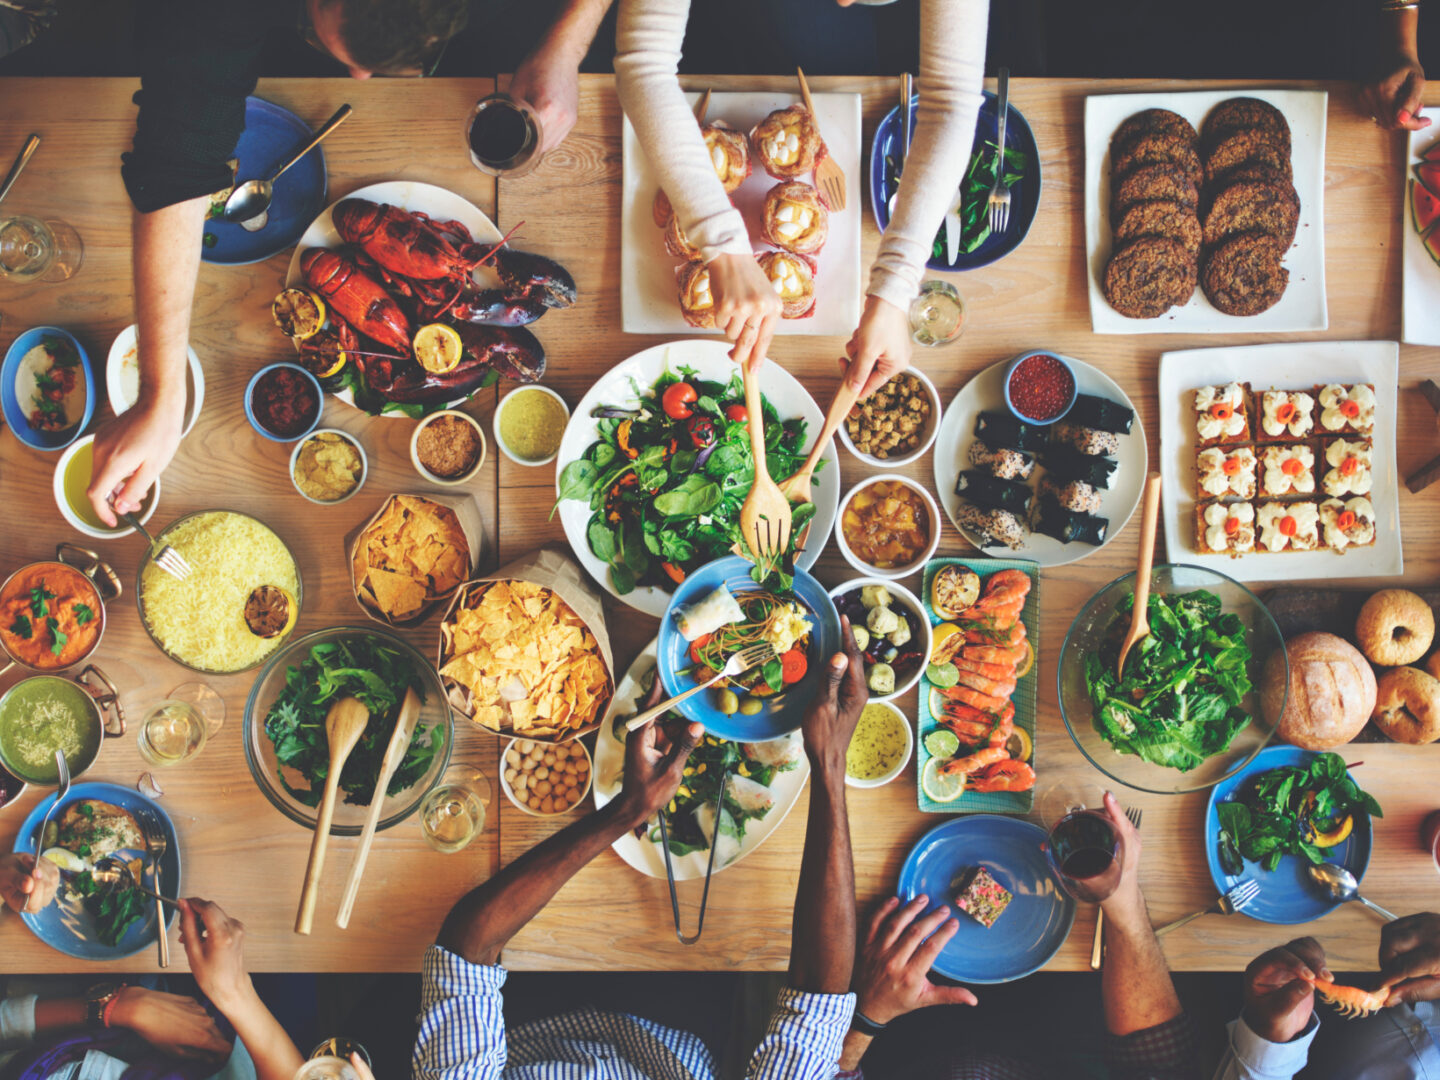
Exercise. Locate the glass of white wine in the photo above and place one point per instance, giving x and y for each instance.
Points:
(172, 733)
(31, 249)
(453, 814)
(937, 315)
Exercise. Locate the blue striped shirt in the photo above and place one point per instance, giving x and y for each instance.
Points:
(463, 1037)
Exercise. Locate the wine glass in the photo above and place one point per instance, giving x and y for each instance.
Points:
(504, 136)
(32, 249)
(1084, 848)
(453, 814)
(937, 314)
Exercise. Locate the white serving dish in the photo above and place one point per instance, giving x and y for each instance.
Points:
(353, 441)
(1420, 276)
(500, 440)
(451, 481)
(524, 808)
(928, 430)
(124, 352)
(73, 519)
(910, 600)
(902, 764)
(936, 527)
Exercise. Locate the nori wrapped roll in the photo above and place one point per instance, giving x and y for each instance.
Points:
(1069, 465)
(1102, 413)
(985, 490)
(1004, 431)
(1069, 527)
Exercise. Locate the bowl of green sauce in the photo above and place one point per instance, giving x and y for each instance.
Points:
(529, 424)
(880, 748)
(41, 715)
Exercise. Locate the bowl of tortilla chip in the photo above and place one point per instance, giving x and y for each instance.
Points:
(517, 660)
(328, 466)
(414, 553)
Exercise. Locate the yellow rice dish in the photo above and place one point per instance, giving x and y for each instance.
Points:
(201, 621)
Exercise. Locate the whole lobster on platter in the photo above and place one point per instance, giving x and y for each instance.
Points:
(356, 297)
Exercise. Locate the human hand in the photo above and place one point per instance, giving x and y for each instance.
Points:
(1410, 958)
(548, 80)
(892, 975)
(132, 449)
(27, 884)
(360, 1067)
(746, 307)
(832, 714)
(1396, 97)
(879, 349)
(1278, 995)
(172, 1023)
(654, 762)
(1127, 899)
(215, 946)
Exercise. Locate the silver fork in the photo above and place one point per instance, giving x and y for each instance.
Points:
(155, 845)
(738, 664)
(1097, 946)
(168, 559)
(1234, 899)
(999, 193)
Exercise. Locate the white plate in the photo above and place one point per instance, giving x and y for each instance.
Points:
(1420, 274)
(440, 204)
(123, 353)
(986, 391)
(711, 361)
(1281, 367)
(1303, 305)
(649, 301)
(610, 763)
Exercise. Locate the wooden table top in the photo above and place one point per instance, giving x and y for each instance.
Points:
(242, 853)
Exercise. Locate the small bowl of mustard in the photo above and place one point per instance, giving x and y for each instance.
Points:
(880, 748)
(530, 423)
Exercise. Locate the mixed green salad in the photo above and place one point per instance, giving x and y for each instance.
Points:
(371, 670)
(1293, 810)
(114, 910)
(667, 477)
(1180, 700)
(974, 194)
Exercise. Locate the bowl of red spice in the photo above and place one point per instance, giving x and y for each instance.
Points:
(448, 447)
(1040, 387)
(282, 402)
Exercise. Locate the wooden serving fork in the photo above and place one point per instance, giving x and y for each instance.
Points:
(829, 177)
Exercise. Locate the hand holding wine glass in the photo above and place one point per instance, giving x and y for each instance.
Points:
(1086, 844)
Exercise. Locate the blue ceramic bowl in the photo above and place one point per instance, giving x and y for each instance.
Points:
(314, 385)
(1074, 387)
(1024, 195)
(16, 415)
(781, 713)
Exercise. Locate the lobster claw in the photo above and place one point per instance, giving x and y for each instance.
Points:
(530, 277)
(492, 307)
(514, 352)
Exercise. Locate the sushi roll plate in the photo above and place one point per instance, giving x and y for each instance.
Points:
(1085, 470)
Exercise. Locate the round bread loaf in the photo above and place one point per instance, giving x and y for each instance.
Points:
(1332, 691)
(1408, 706)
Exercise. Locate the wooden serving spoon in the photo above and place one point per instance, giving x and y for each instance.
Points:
(1140, 618)
(797, 488)
(344, 724)
(765, 515)
(400, 738)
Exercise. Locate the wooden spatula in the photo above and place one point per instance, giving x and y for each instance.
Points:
(1140, 618)
(344, 724)
(394, 754)
(829, 177)
(798, 487)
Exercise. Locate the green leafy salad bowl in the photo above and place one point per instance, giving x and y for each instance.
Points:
(284, 729)
(1186, 715)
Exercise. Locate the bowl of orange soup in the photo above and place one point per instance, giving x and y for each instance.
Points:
(51, 616)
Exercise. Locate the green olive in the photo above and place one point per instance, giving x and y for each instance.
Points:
(750, 706)
(727, 702)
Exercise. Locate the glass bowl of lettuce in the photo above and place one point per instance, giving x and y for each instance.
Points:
(1186, 713)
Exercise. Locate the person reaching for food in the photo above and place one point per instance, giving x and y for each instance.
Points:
(744, 301)
(1397, 93)
(27, 884)
(462, 1024)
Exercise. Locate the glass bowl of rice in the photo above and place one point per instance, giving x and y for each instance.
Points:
(201, 622)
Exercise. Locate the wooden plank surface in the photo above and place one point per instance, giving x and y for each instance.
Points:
(609, 915)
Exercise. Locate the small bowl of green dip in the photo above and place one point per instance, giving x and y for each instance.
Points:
(529, 424)
(880, 748)
(41, 715)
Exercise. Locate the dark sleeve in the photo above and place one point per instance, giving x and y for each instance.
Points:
(195, 75)
(1166, 1051)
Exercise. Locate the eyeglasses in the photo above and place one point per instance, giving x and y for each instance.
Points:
(306, 29)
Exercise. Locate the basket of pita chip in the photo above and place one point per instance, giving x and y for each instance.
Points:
(412, 555)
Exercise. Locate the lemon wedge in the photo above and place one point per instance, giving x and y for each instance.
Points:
(1023, 668)
(65, 859)
(1020, 746)
(299, 314)
(438, 348)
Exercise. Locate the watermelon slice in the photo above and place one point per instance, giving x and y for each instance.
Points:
(1433, 154)
(1424, 207)
(1432, 245)
(1428, 173)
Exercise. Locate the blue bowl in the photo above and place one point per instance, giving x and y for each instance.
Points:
(782, 713)
(319, 400)
(1074, 387)
(15, 413)
(1024, 195)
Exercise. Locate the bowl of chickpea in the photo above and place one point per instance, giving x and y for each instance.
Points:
(544, 779)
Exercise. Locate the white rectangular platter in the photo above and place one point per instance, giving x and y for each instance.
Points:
(1280, 367)
(1420, 274)
(1303, 305)
(649, 300)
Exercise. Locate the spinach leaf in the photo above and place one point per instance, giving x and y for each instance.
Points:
(693, 497)
(602, 541)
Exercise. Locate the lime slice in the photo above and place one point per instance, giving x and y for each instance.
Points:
(942, 675)
(941, 744)
(940, 788)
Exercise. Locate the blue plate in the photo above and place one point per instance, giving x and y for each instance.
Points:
(1024, 195)
(271, 136)
(16, 414)
(1028, 933)
(783, 712)
(67, 926)
(1287, 895)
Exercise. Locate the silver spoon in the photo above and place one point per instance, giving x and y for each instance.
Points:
(112, 872)
(252, 198)
(1342, 886)
(31, 145)
(906, 120)
(63, 769)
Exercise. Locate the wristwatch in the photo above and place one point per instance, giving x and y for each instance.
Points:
(864, 1025)
(98, 1000)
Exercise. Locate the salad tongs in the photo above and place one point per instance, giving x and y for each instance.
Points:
(691, 939)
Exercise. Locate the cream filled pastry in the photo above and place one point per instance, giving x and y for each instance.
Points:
(793, 279)
(1226, 530)
(787, 142)
(729, 153)
(794, 218)
(1286, 414)
(1220, 413)
(1347, 408)
(1348, 523)
(1288, 470)
(1223, 475)
(1349, 468)
(1295, 526)
(697, 302)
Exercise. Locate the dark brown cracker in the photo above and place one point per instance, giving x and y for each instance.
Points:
(1249, 147)
(1160, 217)
(1253, 206)
(1147, 277)
(1152, 120)
(1244, 275)
(1239, 114)
(1158, 149)
(1153, 182)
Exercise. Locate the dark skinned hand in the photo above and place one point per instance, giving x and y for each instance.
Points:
(1410, 958)
(655, 760)
(1278, 998)
(831, 718)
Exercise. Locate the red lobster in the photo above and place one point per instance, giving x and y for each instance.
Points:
(356, 297)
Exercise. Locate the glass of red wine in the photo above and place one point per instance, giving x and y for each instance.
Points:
(503, 135)
(1084, 848)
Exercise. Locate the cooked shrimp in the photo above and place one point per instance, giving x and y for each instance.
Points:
(965, 695)
(974, 726)
(976, 761)
(969, 732)
(1003, 776)
(998, 672)
(1351, 1001)
(995, 654)
(989, 634)
(996, 688)
(1002, 731)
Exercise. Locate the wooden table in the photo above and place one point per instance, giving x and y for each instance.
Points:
(244, 854)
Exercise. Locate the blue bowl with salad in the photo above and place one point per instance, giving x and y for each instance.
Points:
(766, 702)
(978, 246)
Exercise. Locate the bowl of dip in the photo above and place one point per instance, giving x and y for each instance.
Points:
(282, 402)
(889, 526)
(72, 478)
(448, 447)
(529, 424)
(1040, 387)
(880, 748)
(47, 390)
(46, 713)
(122, 378)
(52, 615)
(328, 466)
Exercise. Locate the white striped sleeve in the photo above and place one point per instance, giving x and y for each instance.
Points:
(805, 1036)
(462, 1020)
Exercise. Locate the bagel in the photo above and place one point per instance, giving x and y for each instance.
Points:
(1395, 627)
(1408, 706)
(1433, 664)
(1331, 692)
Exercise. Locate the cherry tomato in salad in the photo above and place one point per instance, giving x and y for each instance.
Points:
(793, 666)
(702, 431)
(737, 413)
(677, 399)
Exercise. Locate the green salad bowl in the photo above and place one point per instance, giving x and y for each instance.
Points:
(1097, 631)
